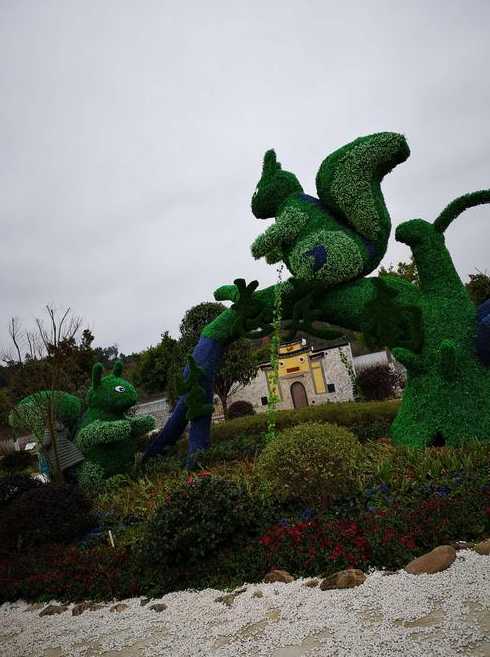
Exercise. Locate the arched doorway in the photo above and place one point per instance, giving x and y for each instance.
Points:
(298, 395)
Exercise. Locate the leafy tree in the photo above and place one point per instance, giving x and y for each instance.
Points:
(193, 322)
(238, 368)
(479, 287)
(406, 270)
(155, 364)
(107, 355)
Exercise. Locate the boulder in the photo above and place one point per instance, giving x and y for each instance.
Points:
(52, 610)
(144, 601)
(121, 606)
(432, 562)
(344, 579)
(278, 576)
(483, 547)
(311, 583)
(229, 598)
(85, 606)
(158, 607)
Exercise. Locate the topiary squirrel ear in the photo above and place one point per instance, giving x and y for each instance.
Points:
(271, 165)
(97, 370)
(118, 368)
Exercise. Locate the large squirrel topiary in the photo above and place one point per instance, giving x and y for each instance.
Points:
(330, 244)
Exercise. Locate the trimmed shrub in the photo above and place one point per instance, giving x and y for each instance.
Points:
(378, 382)
(240, 408)
(12, 486)
(313, 463)
(199, 518)
(367, 420)
(45, 514)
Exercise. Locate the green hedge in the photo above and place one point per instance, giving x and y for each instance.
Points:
(245, 437)
(367, 420)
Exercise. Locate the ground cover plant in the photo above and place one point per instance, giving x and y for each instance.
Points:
(232, 520)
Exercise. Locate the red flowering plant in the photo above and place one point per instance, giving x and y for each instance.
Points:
(68, 573)
(382, 529)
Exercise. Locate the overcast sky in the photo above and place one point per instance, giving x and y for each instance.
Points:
(132, 134)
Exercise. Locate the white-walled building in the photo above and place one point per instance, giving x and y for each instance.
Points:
(307, 376)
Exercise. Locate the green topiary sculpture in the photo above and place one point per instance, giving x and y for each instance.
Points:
(107, 436)
(329, 245)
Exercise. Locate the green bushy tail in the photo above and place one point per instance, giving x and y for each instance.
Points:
(349, 183)
(459, 205)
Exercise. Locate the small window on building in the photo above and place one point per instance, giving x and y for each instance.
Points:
(264, 401)
(331, 387)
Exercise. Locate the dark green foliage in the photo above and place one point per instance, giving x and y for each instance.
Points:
(478, 287)
(17, 461)
(378, 382)
(198, 519)
(240, 408)
(45, 514)
(156, 363)
(12, 486)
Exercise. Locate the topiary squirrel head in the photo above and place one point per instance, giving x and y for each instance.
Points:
(111, 393)
(273, 188)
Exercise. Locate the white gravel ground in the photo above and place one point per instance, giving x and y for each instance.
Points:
(400, 615)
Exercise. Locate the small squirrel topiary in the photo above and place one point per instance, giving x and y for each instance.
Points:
(107, 435)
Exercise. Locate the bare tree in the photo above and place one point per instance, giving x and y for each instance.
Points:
(45, 344)
(15, 332)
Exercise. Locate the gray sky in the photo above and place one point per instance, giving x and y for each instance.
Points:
(132, 134)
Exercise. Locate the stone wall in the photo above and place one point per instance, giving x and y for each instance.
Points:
(334, 372)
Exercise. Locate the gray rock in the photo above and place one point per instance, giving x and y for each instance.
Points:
(229, 598)
(53, 610)
(121, 606)
(85, 606)
(158, 607)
